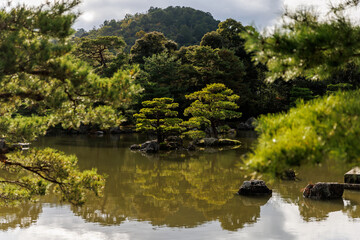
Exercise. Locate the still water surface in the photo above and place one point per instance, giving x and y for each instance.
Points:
(181, 196)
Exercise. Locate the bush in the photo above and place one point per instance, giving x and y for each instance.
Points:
(327, 127)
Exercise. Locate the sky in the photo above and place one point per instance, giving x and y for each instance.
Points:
(260, 13)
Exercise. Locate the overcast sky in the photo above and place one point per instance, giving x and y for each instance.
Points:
(261, 13)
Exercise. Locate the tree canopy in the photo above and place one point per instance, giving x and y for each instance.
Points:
(38, 74)
(100, 52)
(212, 104)
(159, 118)
(184, 25)
(323, 128)
(307, 45)
(150, 44)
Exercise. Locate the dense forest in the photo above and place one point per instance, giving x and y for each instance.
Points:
(170, 67)
(210, 77)
(184, 25)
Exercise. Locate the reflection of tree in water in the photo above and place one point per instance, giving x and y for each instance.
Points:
(186, 193)
(21, 216)
(315, 210)
(97, 211)
(239, 211)
(352, 204)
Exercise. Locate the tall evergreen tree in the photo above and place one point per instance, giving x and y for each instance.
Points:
(38, 73)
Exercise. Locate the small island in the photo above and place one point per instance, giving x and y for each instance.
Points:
(212, 105)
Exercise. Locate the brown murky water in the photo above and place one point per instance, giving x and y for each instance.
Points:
(181, 196)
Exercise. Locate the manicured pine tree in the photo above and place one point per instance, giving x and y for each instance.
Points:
(211, 105)
(158, 117)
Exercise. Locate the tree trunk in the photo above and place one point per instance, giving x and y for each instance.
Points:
(160, 136)
(214, 130)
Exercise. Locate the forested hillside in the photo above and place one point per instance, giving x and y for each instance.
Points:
(184, 25)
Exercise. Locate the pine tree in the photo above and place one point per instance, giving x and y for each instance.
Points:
(212, 104)
(158, 117)
(39, 75)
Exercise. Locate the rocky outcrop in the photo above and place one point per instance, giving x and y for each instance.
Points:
(249, 124)
(147, 147)
(214, 142)
(135, 147)
(228, 142)
(324, 191)
(207, 142)
(172, 143)
(254, 187)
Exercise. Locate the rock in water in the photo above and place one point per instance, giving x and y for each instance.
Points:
(352, 176)
(228, 142)
(207, 142)
(135, 147)
(254, 187)
(324, 191)
(150, 147)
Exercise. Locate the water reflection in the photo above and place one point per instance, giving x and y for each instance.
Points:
(20, 216)
(198, 189)
(181, 189)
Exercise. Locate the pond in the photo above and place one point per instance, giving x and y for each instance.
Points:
(181, 196)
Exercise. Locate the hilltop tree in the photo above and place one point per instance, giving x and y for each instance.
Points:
(183, 25)
(38, 74)
(212, 104)
(151, 43)
(158, 117)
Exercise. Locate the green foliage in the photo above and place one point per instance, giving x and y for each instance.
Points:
(30, 173)
(150, 44)
(102, 53)
(297, 93)
(305, 45)
(184, 25)
(212, 39)
(212, 104)
(158, 117)
(331, 88)
(202, 65)
(323, 128)
(159, 77)
(39, 76)
(251, 87)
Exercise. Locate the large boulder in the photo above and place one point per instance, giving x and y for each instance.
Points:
(324, 191)
(150, 147)
(135, 147)
(249, 124)
(254, 187)
(147, 147)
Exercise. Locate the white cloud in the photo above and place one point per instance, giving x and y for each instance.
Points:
(262, 13)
